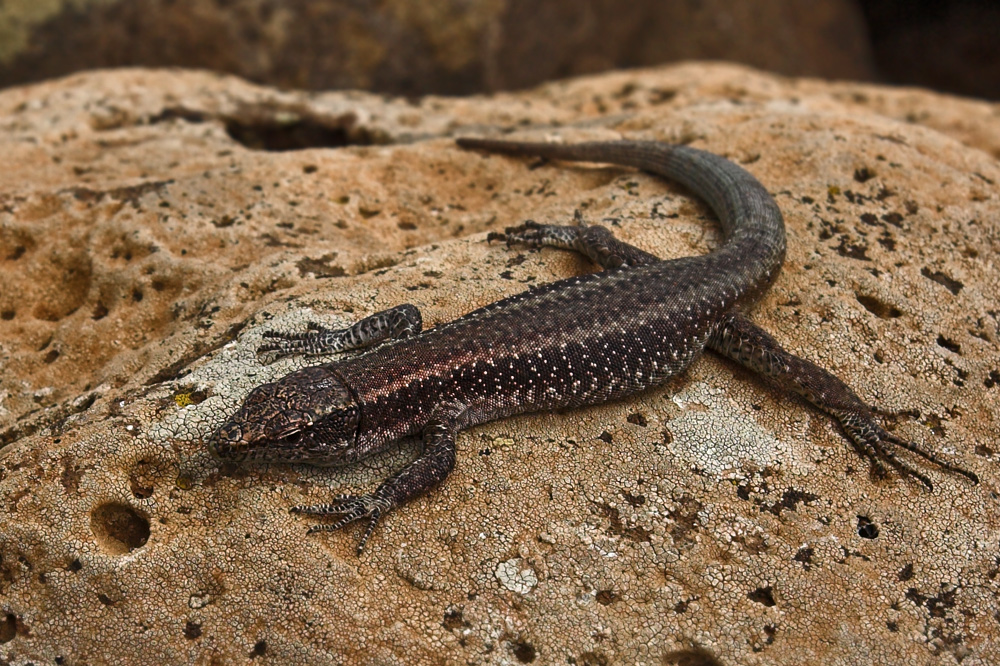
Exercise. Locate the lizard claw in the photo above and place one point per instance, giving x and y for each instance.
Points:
(353, 507)
(876, 444)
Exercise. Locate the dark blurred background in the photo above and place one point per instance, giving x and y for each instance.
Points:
(412, 47)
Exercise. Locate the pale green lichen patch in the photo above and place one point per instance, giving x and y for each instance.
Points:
(515, 577)
(735, 439)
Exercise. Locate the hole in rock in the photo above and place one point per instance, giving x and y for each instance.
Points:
(762, 595)
(524, 652)
(300, 134)
(878, 308)
(950, 345)
(8, 628)
(866, 528)
(952, 285)
(118, 528)
(693, 657)
(192, 630)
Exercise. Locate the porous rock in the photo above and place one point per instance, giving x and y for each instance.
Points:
(148, 238)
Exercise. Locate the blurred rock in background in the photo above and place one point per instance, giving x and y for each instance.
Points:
(412, 48)
(464, 46)
(948, 45)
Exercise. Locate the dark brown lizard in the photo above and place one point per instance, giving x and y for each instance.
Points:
(574, 342)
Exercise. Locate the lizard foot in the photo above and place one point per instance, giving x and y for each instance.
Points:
(353, 507)
(876, 444)
(313, 341)
(397, 322)
(533, 234)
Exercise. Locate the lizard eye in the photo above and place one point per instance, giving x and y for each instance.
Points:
(290, 426)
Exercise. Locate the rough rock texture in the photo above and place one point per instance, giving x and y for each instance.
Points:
(147, 239)
(444, 47)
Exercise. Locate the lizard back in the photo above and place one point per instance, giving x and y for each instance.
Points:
(585, 339)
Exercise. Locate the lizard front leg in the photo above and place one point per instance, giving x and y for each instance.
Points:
(398, 322)
(431, 467)
(594, 242)
(741, 340)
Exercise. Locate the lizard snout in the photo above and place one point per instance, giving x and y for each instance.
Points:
(223, 443)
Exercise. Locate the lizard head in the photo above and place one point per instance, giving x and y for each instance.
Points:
(307, 416)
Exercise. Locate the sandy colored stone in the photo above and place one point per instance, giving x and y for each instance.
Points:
(711, 514)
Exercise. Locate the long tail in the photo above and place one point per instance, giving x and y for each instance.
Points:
(750, 218)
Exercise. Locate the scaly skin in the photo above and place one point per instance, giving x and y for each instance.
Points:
(574, 342)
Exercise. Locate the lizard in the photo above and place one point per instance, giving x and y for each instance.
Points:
(564, 344)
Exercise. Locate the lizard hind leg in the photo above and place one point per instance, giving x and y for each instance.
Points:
(736, 337)
(595, 242)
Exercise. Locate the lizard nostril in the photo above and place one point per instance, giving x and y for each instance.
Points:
(221, 443)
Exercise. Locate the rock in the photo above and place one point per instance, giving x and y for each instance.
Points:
(413, 48)
(148, 238)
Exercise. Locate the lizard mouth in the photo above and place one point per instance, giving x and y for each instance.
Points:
(225, 443)
(219, 450)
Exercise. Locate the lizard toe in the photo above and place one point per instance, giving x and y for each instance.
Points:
(353, 508)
